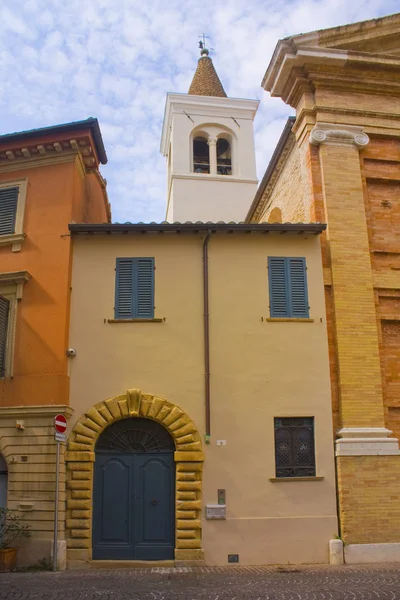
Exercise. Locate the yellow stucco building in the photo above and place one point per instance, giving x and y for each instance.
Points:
(338, 161)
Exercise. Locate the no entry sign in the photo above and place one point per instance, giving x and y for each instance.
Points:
(60, 423)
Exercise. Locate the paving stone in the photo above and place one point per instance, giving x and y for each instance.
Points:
(363, 582)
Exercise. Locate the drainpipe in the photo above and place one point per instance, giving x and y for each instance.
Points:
(206, 338)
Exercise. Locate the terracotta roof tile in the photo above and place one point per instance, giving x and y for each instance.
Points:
(206, 81)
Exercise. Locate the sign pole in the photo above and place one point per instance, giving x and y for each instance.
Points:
(60, 426)
(56, 507)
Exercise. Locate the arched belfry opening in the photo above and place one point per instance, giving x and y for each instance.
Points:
(3, 481)
(201, 155)
(134, 492)
(224, 156)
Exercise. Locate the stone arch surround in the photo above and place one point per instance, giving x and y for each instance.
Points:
(80, 458)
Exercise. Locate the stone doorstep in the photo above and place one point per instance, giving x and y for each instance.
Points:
(156, 566)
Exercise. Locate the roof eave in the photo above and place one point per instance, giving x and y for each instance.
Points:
(91, 123)
(125, 228)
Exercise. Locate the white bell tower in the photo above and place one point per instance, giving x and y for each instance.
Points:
(208, 140)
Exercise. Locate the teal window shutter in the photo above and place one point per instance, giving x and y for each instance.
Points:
(134, 288)
(297, 276)
(288, 293)
(278, 296)
(4, 312)
(8, 209)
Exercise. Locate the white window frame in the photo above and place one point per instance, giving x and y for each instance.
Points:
(15, 239)
(11, 287)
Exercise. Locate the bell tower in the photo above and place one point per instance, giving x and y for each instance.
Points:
(208, 141)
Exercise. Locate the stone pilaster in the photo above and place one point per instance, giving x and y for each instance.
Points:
(352, 281)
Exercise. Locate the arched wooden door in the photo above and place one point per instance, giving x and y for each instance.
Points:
(3, 481)
(134, 492)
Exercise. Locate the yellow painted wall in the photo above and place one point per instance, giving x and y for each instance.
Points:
(259, 370)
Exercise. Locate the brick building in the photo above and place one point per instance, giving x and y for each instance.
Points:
(338, 162)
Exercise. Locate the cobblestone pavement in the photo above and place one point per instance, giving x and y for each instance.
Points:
(218, 583)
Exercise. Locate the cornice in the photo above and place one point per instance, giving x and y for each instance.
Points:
(338, 135)
(18, 278)
(207, 177)
(294, 70)
(29, 153)
(35, 411)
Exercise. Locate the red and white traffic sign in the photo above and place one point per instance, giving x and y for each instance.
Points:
(60, 423)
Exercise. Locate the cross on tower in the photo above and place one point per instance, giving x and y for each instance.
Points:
(202, 42)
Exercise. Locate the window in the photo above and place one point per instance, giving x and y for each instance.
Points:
(11, 288)
(3, 481)
(4, 313)
(288, 287)
(201, 155)
(294, 447)
(134, 288)
(12, 208)
(224, 158)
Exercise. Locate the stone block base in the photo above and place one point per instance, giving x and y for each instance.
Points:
(61, 554)
(371, 553)
(336, 552)
(195, 555)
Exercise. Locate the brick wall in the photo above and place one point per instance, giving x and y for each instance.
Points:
(381, 174)
(293, 183)
(369, 488)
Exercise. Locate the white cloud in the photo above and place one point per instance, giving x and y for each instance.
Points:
(65, 60)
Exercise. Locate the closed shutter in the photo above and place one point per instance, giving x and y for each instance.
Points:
(278, 296)
(297, 277)
(134, 289)
(144, 305)
(4, 311)
(124, 289)
(288, 287)
(8, 209)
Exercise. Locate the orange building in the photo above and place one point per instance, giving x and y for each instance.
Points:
(338, 162)
(48, 178)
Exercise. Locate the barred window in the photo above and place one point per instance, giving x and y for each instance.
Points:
(294, 447)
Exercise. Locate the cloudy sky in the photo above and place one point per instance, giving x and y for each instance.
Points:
(66, 60)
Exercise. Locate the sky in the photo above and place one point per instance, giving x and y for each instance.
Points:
(67, 60)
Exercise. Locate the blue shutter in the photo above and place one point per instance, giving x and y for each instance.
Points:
(4, 310)
(144, 297)
(297, 278)
(8, 209)
(134, 288)
(278, 297)
(124, 280)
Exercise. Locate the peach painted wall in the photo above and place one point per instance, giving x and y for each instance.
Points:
(56, 195)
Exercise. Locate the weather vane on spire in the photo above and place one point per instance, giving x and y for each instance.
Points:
(204, 51)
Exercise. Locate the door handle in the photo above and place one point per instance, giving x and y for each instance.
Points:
(154, 502)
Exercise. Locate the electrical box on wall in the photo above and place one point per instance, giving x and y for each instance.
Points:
(216, 511)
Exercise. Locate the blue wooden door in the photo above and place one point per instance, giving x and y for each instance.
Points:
(134, 492)
(154, 529)
(112, 507)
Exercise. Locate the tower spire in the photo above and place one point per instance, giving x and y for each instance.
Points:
(205, 80)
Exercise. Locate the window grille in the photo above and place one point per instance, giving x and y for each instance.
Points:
(294, 447)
